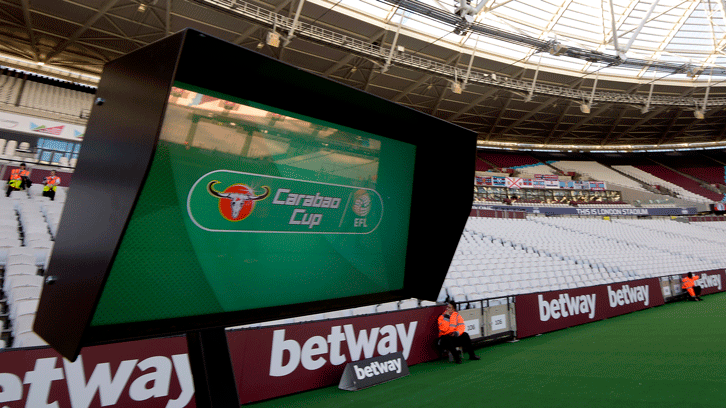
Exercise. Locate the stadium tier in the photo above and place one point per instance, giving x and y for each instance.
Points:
(44, 95)
(481, 165)
(508, 160)
(682, 181)
(597, 171)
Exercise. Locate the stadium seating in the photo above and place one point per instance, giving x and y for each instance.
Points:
(682, 181)
(508, 160)
(597, 171)
(511, 256)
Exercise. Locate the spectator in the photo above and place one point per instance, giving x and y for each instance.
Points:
(452, 334)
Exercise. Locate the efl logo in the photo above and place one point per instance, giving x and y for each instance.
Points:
(237, 201)
(361, 203)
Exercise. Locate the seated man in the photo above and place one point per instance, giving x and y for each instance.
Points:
(689, 284)
(19, 179)
(452, 334)
(51, 185)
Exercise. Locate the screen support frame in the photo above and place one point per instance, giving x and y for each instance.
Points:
(211, 364)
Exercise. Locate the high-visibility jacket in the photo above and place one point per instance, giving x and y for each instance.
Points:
(454, 323)
(689, 282)
(52, 181)
(17, 174)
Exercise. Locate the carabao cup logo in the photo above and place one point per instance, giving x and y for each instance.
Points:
(237, 201)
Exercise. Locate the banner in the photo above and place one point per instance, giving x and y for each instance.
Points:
(551, 184)
(140, 374)
(269, 362)
(594, 211)
(41, 127)
(545, 312)
(513, 182)
(275, 361)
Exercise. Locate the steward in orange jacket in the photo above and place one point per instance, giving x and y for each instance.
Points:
(689, 284)
(19, 178)
(452, 334)
(51, 185)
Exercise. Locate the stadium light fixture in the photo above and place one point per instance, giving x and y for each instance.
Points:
(456, 87)
(273, 39)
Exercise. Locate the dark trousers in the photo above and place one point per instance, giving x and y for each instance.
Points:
(10, 190)
(49, 193)
(451, 343)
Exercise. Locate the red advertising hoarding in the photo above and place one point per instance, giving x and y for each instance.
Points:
(548, 311)
(286, 359)
(710, 281)
(150, 374)
(274, 361)
(269, 362)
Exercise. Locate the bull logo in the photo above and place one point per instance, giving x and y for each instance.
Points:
(237, 201)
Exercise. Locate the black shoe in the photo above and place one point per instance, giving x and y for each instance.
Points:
(457, 357)
(474, 357)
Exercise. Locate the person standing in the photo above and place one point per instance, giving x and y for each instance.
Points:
(452, 334)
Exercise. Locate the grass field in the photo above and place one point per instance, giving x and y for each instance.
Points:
(669, 356)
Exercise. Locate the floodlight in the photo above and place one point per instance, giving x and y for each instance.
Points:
(273, 39)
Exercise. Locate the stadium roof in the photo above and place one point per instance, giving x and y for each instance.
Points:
(522, 74)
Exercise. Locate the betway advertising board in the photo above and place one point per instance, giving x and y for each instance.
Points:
(268, 362)
(712, 281)
(548, 311)
(150, 374)
(288, 359)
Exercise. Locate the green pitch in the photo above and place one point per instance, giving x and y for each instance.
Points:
(669, 356)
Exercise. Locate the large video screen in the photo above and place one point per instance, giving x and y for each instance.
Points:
(244, 202)
(211, 194)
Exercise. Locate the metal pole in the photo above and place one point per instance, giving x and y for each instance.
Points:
(640, 26)
(534, 80)
(393, 45)
(471, 62)
(291, 33)
(612, 23)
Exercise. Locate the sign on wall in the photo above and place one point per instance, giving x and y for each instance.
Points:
(41, 127)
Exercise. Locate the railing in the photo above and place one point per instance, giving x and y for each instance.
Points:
(363, 48)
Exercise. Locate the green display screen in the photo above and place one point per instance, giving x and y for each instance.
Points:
(246, 206)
